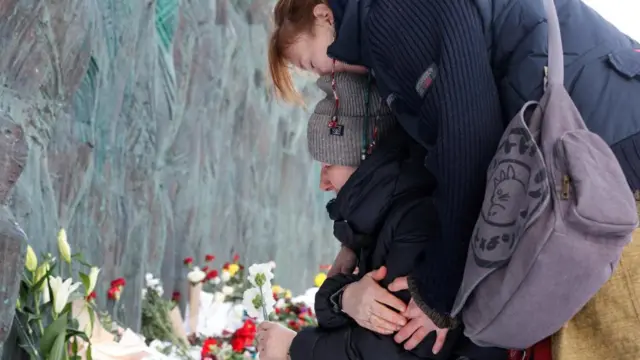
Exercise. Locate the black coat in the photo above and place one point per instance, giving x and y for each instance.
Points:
(382, 215)
(456, 71)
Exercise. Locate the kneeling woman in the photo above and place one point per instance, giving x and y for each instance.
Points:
(381, 213)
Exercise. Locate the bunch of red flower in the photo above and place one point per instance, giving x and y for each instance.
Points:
(244, 336)
(116, 288)
(208, 348)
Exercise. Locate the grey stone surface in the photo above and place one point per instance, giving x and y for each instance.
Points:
(152, 136)
(13, 241)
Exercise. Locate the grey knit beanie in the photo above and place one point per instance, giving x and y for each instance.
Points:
(346, 149)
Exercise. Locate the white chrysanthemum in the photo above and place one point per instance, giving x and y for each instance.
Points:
(216, 280)
(254, 302)
(225, 276)
(196, 275)
(219, 297)
(227, 290)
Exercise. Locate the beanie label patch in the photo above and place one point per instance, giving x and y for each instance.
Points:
(337, 130)
(426, 80)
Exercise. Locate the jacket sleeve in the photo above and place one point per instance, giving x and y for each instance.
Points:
(352, 342)
(328, 316)
(430, 57)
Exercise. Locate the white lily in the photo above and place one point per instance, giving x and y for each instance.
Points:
(63, 246)
(93, 279)
(227, 290)
(61, 292)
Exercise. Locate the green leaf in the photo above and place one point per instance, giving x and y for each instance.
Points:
(37, 286)
(92, 317)
(58, 351)
(88, 353)
(51, 334)
(85, 281)
(73, 332)
(30, 350)
(79, 258)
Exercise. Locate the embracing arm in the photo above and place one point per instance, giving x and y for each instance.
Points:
(454, 112)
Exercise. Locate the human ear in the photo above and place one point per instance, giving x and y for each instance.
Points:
(323, 13)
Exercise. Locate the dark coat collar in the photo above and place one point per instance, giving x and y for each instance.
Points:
(350, 45)
(363, 204)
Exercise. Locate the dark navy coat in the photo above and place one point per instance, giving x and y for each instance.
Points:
(455, 72)
(602, 68)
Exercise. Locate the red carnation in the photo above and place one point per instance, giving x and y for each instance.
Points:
(237, 343)
(119, 282)
(293, 325)
(175, 296)
(225, 266)
(208, 346)
(209, 258)
(212, 274)
(113, 293)
(92, 296)
(236, 258)
(188, 261)
(205, 269)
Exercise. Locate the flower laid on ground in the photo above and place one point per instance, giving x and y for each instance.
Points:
(294, 314)
(209, 258)
(31, 260)
(43, 310)
(63, 246)
(196, 275)
(61, 291)
(115, 291)
(319, 279)
(187, 261)
(153, 284)
(92, 280)
(156, 323)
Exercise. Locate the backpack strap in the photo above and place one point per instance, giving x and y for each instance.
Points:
(555, 72)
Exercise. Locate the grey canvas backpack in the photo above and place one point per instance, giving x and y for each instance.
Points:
(556, 215)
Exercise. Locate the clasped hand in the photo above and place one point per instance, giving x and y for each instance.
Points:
(371, 306)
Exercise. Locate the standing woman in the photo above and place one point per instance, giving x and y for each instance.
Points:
(429, 61)
(455, 72)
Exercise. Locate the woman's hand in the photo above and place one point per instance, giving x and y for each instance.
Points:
(365, 301)
(344, 263)
(419, 325)
(274, 341)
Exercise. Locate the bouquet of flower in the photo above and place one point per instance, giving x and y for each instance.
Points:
(156, 320)
(293, 314)
(47, 328)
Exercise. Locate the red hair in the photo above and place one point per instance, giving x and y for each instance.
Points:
(291, 18)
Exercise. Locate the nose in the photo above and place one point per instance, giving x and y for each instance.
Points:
(325, 184)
